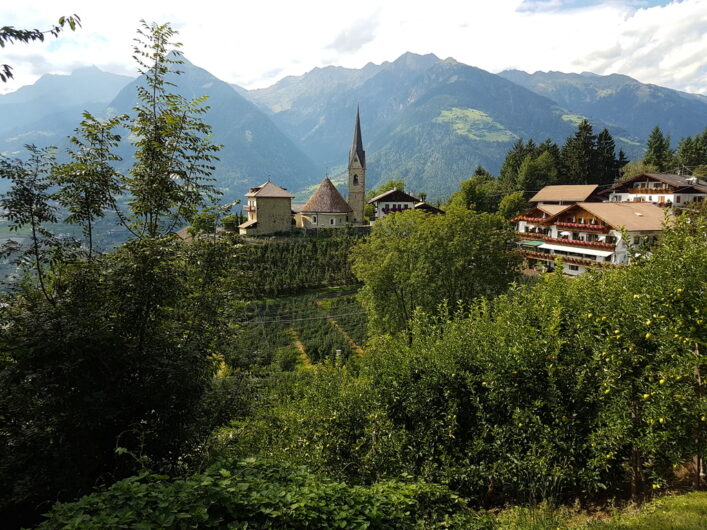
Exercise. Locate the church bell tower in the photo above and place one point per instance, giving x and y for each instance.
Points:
(357, 174)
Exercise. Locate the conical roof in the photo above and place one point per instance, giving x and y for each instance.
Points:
(326, 199)
(357, 144)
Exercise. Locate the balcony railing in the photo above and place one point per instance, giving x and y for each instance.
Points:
(652, 191)
(534, 220)
(249, 208)
(584, 226)
(574, 242)
(566, 259)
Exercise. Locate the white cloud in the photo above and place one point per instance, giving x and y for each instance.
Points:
(256, 43)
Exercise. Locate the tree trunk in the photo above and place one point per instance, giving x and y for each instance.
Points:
(636, 478)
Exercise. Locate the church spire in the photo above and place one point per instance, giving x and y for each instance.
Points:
(357, 144)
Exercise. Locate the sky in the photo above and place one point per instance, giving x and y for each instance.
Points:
(255, 43)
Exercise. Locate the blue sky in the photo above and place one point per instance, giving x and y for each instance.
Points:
(255, 43)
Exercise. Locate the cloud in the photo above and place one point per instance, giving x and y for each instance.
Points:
(356, 36)
(245, 43)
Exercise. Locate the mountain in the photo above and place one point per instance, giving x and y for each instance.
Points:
(56, 95)
(620, 100)
(425, 120)
(254, 149)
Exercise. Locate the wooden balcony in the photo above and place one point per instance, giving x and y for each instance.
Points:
(567, 259)
(584, 226)
(563, 241)
(534, 220)
(651, 191)
(249, 208)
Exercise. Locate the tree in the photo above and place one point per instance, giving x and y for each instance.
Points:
(481, 193)
(115, 350)
(579, 156)
(537, 172)
(170, 177)
(10, 34)
(27, 204)
(89, 184)
(658, 151)
(633, 169)
(607, 164)
(415, 260)
(511, 165)
(692, 152)
(512, 204)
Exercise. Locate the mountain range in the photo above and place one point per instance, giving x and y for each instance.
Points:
(425, 120)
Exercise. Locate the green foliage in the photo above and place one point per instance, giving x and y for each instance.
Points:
(173, 158)
(568, 388)
(579, 156)
(415, 260)
(10, 34)
(481, 193)
(658, 152)
(633, 169)
(259, 494)
(692, 152)
(512, 205)
(536, 172)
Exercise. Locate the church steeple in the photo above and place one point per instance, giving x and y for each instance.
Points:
(357, 144)
(357, 173)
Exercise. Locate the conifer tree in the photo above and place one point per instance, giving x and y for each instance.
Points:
(579, 156)
(658, 151)
(606, 163)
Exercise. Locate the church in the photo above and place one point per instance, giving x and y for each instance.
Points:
(270, 207)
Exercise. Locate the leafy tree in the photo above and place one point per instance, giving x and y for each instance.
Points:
(658, 151)
(415, 260)
(117, 350)
(512, 204)
(89, 185)
(631, 169)
(579, 156)
(27, 204)
(170, 177)
(10, 34)
(537, 172)
(481, 193)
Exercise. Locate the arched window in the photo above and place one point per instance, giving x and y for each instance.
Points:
(355, 180)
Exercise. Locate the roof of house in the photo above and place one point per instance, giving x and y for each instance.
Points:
(326, 199)
(569, 193)
(551, 209)
(678, 181)
(427, 208)
(632, 216)
(394, 195)
(268, 189)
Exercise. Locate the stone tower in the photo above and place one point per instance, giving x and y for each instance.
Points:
(357, 174)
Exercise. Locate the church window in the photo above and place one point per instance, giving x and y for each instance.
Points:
(355, 180)
(314, 219)
(331, 221)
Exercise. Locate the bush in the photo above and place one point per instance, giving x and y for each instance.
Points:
(258, 494)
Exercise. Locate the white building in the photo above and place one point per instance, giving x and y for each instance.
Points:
(660, 188)
(586, 234)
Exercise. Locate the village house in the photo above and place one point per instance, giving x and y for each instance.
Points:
(587, 234)
(660, 188)
(269, 210)
(396, 200)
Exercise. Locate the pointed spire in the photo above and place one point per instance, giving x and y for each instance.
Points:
(357, 145)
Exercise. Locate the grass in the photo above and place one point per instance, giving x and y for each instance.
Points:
(676, 512)
(475, 124)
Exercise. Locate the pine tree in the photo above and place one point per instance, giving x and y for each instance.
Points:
(579, 156)
(606, 163)
(658, 151)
